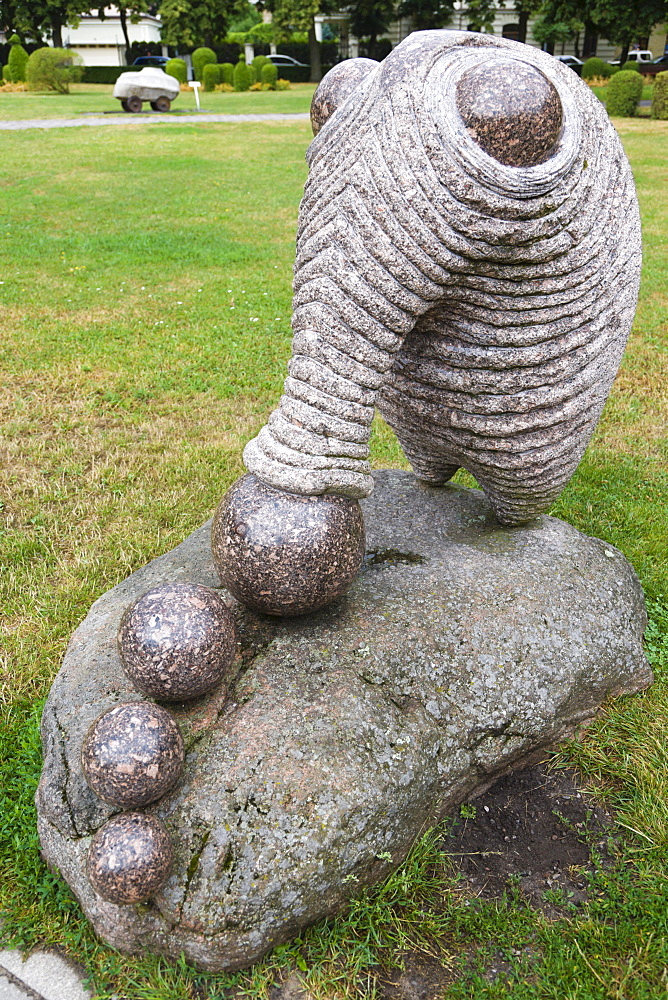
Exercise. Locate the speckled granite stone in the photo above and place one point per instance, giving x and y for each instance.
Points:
(133, 754)
(482, 302)
(461, 651)
(177, 641)
(337, 85)
(129, 858)
(284, 554)
(511, 110)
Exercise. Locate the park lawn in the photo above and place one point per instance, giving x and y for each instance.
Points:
(144, 322)
(96, 98)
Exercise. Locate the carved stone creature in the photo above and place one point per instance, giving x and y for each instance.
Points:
(468, 260)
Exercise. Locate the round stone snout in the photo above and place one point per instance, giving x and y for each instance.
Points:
(511, 110)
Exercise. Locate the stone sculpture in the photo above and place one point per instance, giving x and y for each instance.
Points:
(129, 858)
(148, 84)
(468, 259)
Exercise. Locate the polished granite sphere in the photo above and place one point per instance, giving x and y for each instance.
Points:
(129, 858)
(177, 641)
(133, 754)
(511, 110)
(285, 554)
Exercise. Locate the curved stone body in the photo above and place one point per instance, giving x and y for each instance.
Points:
(482, 305)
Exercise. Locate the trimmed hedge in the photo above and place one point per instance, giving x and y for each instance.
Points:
(269, 75)
(624, 92)
(258, 63)
(105, 74)
(242, 77)
(17, 62)
(631, 64)
(596, 67)
(227, 75)
(5, 74)
(178, 69)
(660, 97)
(296, 74)
(202, 57)
(212, 76)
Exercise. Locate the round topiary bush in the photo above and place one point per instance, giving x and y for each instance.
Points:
(5, 74)
(660, 97)
(212, 76)
(624, 92)
(201, 58)
(596, 67)
(227, 75)
(242, 78)
(53, 69)
(178, 69)
(18, 60)
(258, 63)
(631, 64)
(269, 75)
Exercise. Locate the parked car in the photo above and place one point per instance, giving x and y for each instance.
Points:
(659, 65)
(637, 55)
(279, 60)
(572, 62)
(160, 61)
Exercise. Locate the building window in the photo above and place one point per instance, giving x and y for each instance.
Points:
(511, 31)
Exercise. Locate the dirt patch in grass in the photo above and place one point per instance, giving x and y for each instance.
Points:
(534, 829)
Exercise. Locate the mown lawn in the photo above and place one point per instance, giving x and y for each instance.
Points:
(88, 99)
(144, 320)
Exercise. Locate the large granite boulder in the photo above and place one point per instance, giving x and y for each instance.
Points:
(462, 650)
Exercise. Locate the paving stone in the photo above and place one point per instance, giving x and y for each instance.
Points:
(42, 976)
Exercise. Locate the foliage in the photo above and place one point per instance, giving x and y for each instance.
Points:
(38, 18)
(212, 76)
(53, 69)
(105, 74)
(202, 57)
(621, 21)
(631, 64)
(6, 74)
(269, 75)
(596, 67)
(178, 69)
(282, 84)
(624, 92)
(195, 22)
(242, 77)
(481, 14)
(18, 60)
(227, 73)
(255, 87)
(427, 14)
(369, 20)
(660, 97)
(258, 63)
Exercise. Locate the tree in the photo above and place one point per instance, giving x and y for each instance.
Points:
(197, 22)
(298, 15)
(427, 14)
(47, 17)
(626, 21)
(370, 19)
(481, 14)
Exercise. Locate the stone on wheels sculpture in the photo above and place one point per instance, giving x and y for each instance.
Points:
(468, 260)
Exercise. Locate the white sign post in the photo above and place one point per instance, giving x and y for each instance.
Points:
(195, 84)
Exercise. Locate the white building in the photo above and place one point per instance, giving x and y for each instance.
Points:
(100, 42)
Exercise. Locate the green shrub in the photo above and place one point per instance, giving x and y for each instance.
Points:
(5, 74)
(596, 67)
(53, 69)
(227, 75)
(105, 74)
(201, 58)
(18, 60)
(242, 78)
(282, 84)
(212, 76)
(178, 69)
(660, 97)
(269, 75)
(258, 63)
(631, 64)
(624, 92)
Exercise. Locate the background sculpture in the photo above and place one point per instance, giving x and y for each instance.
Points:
(468, 259)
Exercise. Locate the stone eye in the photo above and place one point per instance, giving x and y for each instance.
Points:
(511, 110)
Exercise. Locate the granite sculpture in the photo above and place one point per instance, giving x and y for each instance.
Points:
(129, 858)
(468, 260)
(148, 84)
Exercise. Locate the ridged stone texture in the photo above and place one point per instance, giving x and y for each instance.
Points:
(285, 554)
(129, 858)
(336, 87)
(475, 277)
(177, 641)
(133, 754)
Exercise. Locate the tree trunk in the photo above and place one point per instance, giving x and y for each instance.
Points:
(523, 22)
(314, 56)
(624, 54)
(576, 45)
(57, 32)
(124, 28)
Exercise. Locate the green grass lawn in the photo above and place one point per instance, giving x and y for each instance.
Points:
(145, 326)
(86, 99)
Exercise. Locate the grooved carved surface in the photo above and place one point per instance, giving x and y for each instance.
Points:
(482, 306)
